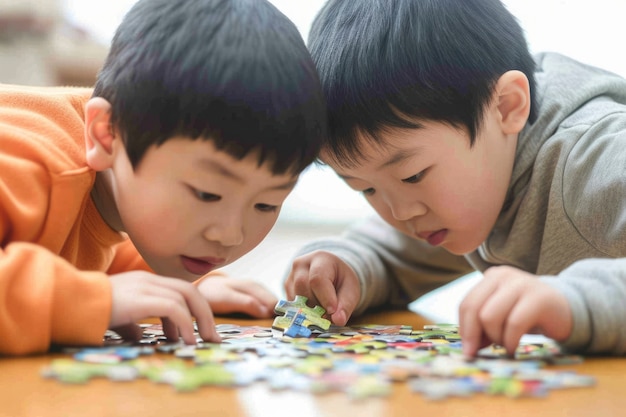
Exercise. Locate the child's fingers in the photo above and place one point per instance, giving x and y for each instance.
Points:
(175, 313)
(323, 277)
(199, 308)
(495, 313)
(165, 303)
(180, 323)
(470, 325)
(320, 276)
(174, 300)
(348, 296)
(297, 282)
(129, 332)
(521, 319)
(324, 293)
(541, 309)
(346, 307)
(170, 329)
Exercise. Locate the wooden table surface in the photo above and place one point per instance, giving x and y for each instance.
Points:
(24, 392)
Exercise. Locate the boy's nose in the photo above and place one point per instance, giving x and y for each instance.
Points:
(403, 210)
(226, 231)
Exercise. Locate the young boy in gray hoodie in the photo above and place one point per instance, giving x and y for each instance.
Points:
(477, 156)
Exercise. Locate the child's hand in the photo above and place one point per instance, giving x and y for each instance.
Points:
(139, 295)
(229, 295)
(508, 303)
(326, 281)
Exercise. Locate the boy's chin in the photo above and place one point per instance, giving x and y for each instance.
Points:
(176, 272)
(460, 250)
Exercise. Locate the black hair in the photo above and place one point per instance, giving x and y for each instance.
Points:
(393, 63)
(236, 72)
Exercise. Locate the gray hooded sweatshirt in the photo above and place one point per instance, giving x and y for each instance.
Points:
(564, 217)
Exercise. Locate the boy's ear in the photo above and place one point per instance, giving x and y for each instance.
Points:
(99, 135)
(513, 101)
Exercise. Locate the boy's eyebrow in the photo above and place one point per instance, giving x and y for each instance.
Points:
(396, 157)
(399, 156)
(216, 166)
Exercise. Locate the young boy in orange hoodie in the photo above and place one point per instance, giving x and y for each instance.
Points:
(116, 204)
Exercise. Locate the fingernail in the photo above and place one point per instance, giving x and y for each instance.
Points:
(340, 317)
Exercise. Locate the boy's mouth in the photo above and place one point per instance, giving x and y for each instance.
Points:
(200, 266)
(435, 238)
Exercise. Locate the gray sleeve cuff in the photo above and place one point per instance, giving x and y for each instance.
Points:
(578, 340)
(595, 289)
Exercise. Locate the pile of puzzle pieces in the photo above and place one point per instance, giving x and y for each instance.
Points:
(302, 351)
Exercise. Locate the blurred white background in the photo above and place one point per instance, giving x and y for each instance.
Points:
(321, 204)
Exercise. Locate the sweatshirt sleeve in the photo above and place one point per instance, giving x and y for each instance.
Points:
(393, 268)
(594, 204)
(596, 291)
(47, 300)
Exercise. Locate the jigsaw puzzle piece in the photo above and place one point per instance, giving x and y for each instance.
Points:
(296, 324)
(298, 303)
(314, 316)
(71, 371)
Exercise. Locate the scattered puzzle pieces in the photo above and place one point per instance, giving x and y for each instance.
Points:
(302, 351)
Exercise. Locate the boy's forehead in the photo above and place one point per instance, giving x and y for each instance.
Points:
(344, 164)
(386, 149)
(204, 157)
(390, 145)
(351, 151)
(238, 169)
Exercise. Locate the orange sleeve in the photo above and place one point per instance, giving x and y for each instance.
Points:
(47, 300)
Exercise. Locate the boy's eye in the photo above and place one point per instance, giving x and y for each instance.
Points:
(368, 191)
(415, 178)
(266, 208)
(206, 197)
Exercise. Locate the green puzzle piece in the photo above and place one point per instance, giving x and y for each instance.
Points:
(313, 315)
(299, 303)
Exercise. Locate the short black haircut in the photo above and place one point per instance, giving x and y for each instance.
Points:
(236, 72)
(393, 63)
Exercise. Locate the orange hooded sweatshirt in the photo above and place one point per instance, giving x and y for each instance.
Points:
(56, 251)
